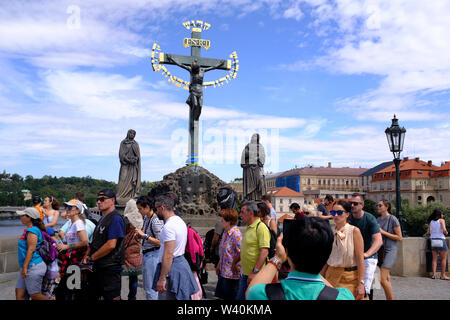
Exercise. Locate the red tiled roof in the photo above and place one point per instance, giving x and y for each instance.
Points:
(413, 168)
(284, 192)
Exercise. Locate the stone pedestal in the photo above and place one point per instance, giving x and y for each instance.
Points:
(196, 189)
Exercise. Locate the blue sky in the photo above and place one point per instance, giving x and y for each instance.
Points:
(320, 81)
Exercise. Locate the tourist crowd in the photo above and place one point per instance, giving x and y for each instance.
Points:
(304, 258)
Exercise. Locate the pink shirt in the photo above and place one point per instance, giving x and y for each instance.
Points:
(229, 248)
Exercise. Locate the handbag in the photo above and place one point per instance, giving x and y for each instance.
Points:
(382, 250)
(437, 243)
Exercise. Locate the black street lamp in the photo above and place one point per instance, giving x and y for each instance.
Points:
(396, 137)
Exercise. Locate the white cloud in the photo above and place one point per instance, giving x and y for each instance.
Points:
(405, 42)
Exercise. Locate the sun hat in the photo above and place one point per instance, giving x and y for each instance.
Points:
(31, 212)
(75, 203)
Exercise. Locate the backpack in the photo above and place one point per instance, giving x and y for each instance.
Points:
(47, 250)
(273, 240)
(194, 249)
(207, 247)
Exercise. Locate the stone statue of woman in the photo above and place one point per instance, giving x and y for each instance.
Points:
(252, 163)
(130, 169)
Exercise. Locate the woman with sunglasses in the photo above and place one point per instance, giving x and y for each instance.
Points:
(345, 266)
(392, 234)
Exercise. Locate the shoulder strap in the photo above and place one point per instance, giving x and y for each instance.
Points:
(274, 291)
(328, 293)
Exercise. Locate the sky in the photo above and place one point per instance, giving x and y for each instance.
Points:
(319, 80)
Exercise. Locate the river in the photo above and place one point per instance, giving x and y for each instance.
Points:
(13, 227)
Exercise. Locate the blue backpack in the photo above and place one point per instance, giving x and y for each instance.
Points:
(47, 250)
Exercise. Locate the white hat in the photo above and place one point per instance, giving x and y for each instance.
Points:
(31, 212)
(75, 203)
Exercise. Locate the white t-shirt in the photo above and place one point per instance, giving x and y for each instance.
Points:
(174, 229)
(71, 236)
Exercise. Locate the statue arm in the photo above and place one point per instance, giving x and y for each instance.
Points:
(169, 57)
(214, 67)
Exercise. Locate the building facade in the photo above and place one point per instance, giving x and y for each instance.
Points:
(283, 197)
(318, 178)
(420, 182)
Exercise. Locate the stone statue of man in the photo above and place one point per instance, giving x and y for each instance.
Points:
(252, 163)
(130, 169)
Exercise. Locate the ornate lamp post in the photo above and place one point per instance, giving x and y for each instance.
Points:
(396, 137)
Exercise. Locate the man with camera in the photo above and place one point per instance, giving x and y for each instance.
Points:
(306, 245)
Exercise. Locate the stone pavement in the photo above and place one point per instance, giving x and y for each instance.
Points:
(405, 288)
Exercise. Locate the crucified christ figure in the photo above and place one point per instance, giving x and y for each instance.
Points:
(195, 99)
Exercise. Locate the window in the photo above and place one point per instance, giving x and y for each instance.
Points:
(381, 186)
(281, 201)
(382, 197)
(281, 209)
(309, 181)
(375, 198)
(390, 196)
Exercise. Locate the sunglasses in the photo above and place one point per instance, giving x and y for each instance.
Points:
(355, 203)
(102, 199)
(379, 205)
(338, 212)
(68, 208)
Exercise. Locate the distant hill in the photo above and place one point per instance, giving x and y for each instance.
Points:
(13, 187)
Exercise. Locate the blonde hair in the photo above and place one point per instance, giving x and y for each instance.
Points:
(310, 209)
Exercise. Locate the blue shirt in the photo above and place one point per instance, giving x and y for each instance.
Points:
(299, 286)
(23, 247)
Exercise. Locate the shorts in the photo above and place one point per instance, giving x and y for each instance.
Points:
(444, 247)
(226, 288)
(32, 284)
(108, 283)
(370, 267)
(339, 278)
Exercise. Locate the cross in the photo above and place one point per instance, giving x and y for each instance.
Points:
(195, 100)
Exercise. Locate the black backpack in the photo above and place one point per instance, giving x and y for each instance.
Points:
(207, 247)
(273, 240)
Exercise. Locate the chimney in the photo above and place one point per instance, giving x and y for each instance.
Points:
(329, 164)
(430, 162)
(405, 159)
(417, 159)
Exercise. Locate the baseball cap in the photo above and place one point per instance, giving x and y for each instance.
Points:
(31, 212)
(75, 203)
(108, 193)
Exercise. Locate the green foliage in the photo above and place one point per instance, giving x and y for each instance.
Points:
(370, 206)
(63, 188)
(417, 217)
